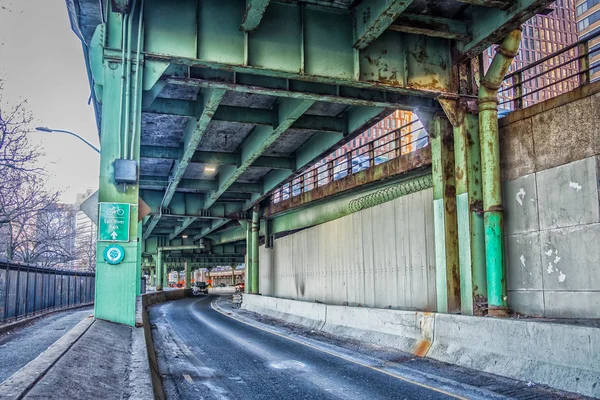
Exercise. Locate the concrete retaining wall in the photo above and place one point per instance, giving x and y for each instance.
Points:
(551, 167)
(379, 257)
(562, 356)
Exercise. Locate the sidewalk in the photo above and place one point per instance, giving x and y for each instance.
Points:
(95, 360)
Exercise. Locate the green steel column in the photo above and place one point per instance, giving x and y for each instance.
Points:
(188, 273)
(254, 253)
(153, 276)
(491, 178)
(469, 210)
(139, 272)
(444, 209)
(159, 271)
(248, 272)
(117, 285)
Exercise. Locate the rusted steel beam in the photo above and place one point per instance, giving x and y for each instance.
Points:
(430, 26)
(372, 17)
(503, 4)
(255, 9)
(414, 161)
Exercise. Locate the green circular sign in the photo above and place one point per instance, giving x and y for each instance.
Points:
(114, 254)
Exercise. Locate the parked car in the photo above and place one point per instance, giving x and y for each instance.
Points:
(240, 286)
(200, 287)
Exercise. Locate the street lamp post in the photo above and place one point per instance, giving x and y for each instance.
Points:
(45, 129)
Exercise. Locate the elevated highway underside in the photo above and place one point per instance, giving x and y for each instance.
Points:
(216, 103)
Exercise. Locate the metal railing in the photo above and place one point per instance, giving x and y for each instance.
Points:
(378, 150)
(550, 76)
(27, 290)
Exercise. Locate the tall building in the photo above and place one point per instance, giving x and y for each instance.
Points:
(85, 239)
(588, 24)
(543, 35)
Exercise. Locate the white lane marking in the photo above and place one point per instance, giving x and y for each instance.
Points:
(188, 378)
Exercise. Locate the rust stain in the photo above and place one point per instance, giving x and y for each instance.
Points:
(422, 348)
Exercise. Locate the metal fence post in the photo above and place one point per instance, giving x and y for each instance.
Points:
(518, 90)
(7, 286)
(17, 302)
(583, 63)
(371, 153)
(34, 292)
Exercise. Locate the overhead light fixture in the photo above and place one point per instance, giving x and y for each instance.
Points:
(209, 168)
(184, 236)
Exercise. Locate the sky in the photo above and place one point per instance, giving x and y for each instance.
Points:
(41, 61)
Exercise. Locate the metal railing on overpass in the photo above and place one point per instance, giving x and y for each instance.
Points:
(378, 150)
(572, 66)
(27, 290)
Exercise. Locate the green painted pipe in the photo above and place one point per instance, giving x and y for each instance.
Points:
(248, 274)
(490, 168)
(159, 271)
(255, 243)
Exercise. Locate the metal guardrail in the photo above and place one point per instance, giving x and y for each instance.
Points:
(390, 145)
(27, 290)
(570, 67)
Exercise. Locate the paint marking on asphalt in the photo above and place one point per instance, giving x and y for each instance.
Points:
(393, 375)
(188, 378)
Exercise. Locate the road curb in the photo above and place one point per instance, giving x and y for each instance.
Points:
(19, 384)
(561, 356)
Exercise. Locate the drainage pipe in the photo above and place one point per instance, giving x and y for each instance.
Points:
(125, 20)
(254, 253)
(136, 125)
(128, 80)
(491, 179)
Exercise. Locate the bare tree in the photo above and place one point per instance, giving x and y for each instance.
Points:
(48, 237)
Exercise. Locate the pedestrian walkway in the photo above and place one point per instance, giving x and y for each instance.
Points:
(95, 360)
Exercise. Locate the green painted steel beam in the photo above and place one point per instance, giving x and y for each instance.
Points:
(179, 229)
(372, 17)
(330, 93)
(427, 25)
(255, 231)
(444, 213)
(244, 115)
(257, 142)
(490, 25)
(215, 157)
(191, 139)
(358, 119)
(255, 9)
(488, 3)
(199, 184)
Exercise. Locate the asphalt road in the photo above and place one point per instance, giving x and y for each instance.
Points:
(19, 346)
(205, 354)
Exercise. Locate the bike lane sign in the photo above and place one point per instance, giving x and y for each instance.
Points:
(113, 222)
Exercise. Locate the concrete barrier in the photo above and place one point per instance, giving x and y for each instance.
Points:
(408, 331)
(562, 356)
(311, 315)
(221, 290)
(152, 298)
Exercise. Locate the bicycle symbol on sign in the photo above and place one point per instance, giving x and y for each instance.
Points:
(114, 210)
